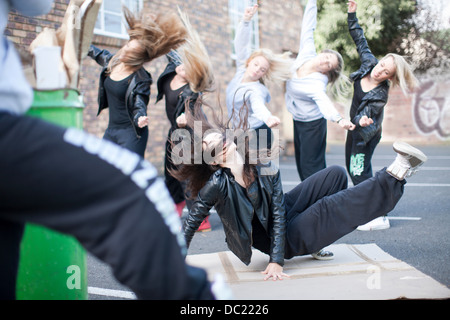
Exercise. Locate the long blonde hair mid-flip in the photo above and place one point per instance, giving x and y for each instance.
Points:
(157, 34)
(404, 76)
(195, 58)
(279, 65)
(340, 84)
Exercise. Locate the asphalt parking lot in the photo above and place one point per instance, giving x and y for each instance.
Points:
(419, 224)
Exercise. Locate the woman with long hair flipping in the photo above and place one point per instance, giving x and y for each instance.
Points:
(371, 90)
(254, 211)
(188, 75)
(248, 84)
(124, 85)
(307, 99)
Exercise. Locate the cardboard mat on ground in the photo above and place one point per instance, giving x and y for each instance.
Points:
(357, 272)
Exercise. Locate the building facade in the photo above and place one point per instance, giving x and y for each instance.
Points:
(422, 118)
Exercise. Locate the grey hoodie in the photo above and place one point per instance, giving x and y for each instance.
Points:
(306, 97)
(16, 94)
(255, 94)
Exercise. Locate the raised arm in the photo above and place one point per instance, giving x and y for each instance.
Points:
(243, 33)
(308, 27)
(357, 34)
(174, 57)
(100, 56)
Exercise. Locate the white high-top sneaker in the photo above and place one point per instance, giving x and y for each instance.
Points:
(380, 223)
(407, 162)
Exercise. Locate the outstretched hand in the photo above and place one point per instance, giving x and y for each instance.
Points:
(351, 6)
(250, 12)
(346, 124)
(273, 121)
(275, 271)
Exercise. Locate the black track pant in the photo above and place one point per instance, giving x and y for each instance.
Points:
(107, 197)
(321, 209)
(310, 141)
(358, 156)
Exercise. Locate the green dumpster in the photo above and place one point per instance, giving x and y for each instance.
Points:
(53, 265)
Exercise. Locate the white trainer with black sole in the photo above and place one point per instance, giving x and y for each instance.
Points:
(407, 162)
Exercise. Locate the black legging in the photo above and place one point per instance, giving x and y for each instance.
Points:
(127, 138)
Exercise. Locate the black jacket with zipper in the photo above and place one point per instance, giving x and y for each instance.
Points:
(372, 105)
(236, 212)
(187, 95)
(138, 92)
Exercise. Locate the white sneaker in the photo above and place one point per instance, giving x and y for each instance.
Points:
(407, 162)
(379, 223)
(323, 255)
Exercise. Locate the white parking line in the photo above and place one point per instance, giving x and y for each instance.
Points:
(427, 184)
(294, 183)
(111, 293)
(405, 218)
(375, 168)
(384, 157)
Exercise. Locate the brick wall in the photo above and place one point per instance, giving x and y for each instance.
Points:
(22, 30)
(420, 118)
(279, 30)
(214, 29)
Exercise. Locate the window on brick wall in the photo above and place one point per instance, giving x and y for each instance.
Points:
(236, 10)
(110, 21)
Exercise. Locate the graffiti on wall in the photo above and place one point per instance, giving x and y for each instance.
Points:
(432, 108)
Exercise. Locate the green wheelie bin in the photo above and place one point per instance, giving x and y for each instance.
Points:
(53, 265)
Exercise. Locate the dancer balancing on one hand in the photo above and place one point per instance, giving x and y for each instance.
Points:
(371, 89)
(188, 75)
(307, 99)
(248, 85)
(255, 211)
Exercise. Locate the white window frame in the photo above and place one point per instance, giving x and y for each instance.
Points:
(101, 18)
(236, 11)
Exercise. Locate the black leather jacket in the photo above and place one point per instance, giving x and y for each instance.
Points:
(138, 92)
(236, 212)
(372, 105)
(186, 95)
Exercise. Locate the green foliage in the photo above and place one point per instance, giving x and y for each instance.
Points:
(383, 21)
